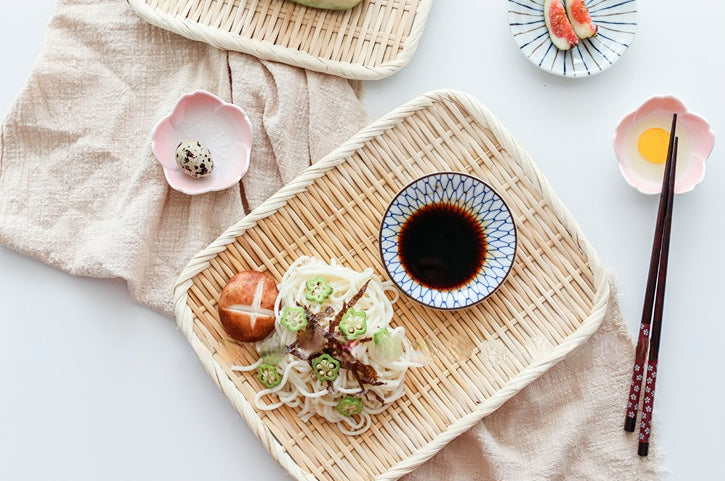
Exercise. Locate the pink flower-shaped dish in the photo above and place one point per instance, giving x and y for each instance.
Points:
(640, 142)
(221, 127)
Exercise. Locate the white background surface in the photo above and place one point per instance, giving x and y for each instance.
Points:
(93, 386)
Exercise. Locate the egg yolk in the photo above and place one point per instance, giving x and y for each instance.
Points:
(653, 145)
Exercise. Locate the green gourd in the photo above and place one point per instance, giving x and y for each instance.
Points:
(329, 4)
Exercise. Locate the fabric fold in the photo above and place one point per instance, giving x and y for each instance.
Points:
(79, 187)
(566, 425)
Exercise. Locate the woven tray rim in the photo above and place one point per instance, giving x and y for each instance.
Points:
(186, 318)
(266, 50)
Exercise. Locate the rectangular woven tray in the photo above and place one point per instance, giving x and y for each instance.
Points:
(370, 41)
(552, 301)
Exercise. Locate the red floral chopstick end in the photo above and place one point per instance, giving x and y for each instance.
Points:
(645, 427)
(635, 388)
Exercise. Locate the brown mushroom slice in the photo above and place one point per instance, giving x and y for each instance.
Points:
(246, 306)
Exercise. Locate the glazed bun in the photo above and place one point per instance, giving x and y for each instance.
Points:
(246, 306)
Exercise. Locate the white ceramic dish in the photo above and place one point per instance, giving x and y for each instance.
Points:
(476, 198)
(222, 127)
(617, 22)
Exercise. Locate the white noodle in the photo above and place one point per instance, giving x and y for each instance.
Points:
(300, 388)
(251, 367)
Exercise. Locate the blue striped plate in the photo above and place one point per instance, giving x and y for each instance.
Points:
(617, 21)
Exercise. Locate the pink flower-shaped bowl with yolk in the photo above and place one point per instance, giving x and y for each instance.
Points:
(641, 138)
(221, 127)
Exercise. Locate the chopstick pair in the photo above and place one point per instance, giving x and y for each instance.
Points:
(651, 323)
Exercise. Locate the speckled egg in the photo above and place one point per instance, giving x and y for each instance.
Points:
(194, 159)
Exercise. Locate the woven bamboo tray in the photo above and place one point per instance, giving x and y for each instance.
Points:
(370, 41)
(553, 300)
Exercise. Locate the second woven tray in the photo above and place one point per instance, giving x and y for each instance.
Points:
(370, 41)
(553, 300)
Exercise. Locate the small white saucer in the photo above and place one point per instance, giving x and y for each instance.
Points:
(617, 22)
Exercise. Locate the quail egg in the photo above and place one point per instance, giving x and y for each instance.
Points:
(194, 159)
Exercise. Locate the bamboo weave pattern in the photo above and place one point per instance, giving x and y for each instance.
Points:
(553, 300)
(373, 40)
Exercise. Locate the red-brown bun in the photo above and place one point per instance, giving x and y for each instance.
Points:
(246, 306)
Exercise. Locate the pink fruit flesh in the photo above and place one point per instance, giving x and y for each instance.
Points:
(559, 23)
(580, 15)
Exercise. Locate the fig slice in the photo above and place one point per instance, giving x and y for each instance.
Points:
(579, 18)
(560, 30)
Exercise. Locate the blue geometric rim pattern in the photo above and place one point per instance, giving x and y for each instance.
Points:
(477, 198)
(617, 22)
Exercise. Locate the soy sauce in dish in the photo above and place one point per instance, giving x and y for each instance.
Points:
(442, 246)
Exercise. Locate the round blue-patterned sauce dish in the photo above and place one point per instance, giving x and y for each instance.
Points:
(448, 240)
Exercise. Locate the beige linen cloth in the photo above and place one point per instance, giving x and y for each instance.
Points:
(566, 425)
(80, 190)
(79, 186)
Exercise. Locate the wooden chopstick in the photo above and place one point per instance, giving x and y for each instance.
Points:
(645, 427)
(643, 342)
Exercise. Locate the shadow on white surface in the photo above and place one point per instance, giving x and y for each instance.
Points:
(95, 386)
